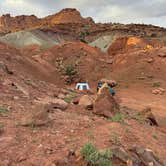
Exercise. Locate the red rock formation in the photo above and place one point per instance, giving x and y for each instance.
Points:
(68, 15)
(12, 24)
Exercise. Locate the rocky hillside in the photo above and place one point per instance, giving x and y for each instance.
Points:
(44, 120)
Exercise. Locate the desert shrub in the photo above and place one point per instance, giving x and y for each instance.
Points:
(139, 118)
(3, 110)
(156, 84)
(70, 96)
(118, 117)
(105, 46)
(87, 150)
(153, 35)
(114, 138)
(83, 40)
(82, 36)
(70, 70)
(95, 157)
(1, 126)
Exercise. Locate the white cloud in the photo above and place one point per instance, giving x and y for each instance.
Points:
(19, 7)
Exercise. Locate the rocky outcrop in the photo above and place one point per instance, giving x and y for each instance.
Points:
(136, 156)
(13, 24)
(105, 104)
(68, 15)
(148, 116)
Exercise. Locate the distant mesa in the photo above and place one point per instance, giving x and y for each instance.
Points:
(13, 24)
(65, 16)
(69, 15)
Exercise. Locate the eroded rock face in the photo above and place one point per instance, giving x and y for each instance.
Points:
(105, 104)
(12, 24)
(69, 15)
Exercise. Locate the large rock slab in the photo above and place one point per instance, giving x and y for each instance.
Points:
(149, 117)
(86, 101)
(136, 156)
(37, 116)
(105, 104)
(53, 103)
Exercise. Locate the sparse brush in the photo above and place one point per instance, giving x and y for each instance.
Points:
(87, 150)
(1, 128)
(70, 70)
(155, 136)
(90, 135)
(118, 117)
(3, 110)
(156, 84)
(95, 157)
(115, 139)
(70, 96)
(139, 118)
(1, 125)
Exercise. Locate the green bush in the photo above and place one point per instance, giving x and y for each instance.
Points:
(3, 110)
(82, 36)
(70, 96)
(118, 117)
(70, 70)
(83, 40)
(156, 84)
(87, 150)
(139, 118)
(153, 35)
(95, 157)
(115, 139)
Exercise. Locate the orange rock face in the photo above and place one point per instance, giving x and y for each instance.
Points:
(68, 16)
(13, 24)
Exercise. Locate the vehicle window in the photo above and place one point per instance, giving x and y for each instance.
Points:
(84, 87)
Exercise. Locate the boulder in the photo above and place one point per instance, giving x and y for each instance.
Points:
(135, 156)
(105, 104)
(61, 96)
(76, 100)
(53, 103)
(158, 91)
(162, 55)
(150, 60)
(59, 105)
(148, 116)
(87, 102)
(146, 156)
(37, 116)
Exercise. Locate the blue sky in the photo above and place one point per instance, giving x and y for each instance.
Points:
(123, 11)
